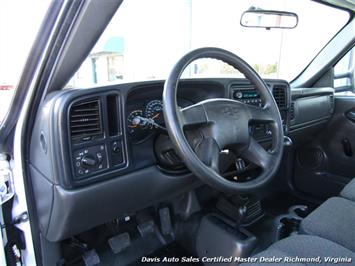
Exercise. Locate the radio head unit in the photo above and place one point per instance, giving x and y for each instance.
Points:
(247, 95)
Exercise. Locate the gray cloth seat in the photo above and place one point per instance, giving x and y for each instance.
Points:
(327, 232)
(299, 247)
(333, 220)
(349, 191)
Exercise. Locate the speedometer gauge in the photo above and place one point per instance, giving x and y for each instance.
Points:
(154, 110)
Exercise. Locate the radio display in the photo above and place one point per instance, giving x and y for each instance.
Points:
(250, 94)
(246, 94)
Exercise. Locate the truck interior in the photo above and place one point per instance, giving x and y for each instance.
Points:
(186, 164)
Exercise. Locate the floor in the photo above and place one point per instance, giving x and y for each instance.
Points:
(158, 248)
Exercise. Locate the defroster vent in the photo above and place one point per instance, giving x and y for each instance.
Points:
(85, 119)
(280, 96)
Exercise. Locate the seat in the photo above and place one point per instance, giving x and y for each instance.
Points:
(349, 191)
(328, 232)
(333, 220)
(303, 250)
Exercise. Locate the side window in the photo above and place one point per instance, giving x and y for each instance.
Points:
(344, 71)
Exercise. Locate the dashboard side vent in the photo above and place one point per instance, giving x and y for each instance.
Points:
(292, 111)
(279, 93)
(332, 103)
(85, 119)
(331, 99)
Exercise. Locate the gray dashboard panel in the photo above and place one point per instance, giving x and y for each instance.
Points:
(64, 213)
(66, 210)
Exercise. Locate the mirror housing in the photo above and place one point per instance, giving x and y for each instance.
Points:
(349, 78)
(269, 19)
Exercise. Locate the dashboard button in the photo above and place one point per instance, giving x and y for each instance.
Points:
(115, 147)
(117, 153)
(99, 157)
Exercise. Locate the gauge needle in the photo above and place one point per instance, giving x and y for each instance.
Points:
(156, 116)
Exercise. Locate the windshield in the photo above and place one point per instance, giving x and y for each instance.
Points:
(145, 39)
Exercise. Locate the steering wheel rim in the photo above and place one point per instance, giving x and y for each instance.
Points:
(211, 115)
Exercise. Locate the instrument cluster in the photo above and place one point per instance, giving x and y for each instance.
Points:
(145, 118)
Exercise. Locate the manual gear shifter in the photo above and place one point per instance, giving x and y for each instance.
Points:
(237, 212)
(241, 214)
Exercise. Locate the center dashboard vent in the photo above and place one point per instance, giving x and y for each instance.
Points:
(85, 119)
(280, 95)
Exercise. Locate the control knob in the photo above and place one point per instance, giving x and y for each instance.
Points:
(88, 160)
(238, 95)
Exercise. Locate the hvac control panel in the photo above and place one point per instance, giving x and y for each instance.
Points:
(97, 158)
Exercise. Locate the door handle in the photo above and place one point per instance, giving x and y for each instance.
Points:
(348, 151)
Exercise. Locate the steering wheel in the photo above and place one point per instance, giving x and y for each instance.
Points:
(218, 124)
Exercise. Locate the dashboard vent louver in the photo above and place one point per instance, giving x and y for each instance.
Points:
(331, 99)
(279, 93)
(332, 104)
(85, 119)
(292, 111)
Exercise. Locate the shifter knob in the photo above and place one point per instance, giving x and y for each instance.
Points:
(242, 212)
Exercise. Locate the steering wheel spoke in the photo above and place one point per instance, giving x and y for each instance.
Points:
(260, 114)
(208, 151)
(193, 116)
(256, 154)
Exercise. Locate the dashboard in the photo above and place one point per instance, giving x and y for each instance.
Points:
(108, 146)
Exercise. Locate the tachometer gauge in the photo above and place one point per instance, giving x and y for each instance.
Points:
(154, 110)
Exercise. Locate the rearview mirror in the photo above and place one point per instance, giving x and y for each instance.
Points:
(269, 19)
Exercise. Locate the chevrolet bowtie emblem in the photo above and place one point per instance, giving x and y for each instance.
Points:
(230, 110)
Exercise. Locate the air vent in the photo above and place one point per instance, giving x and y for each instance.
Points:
(332, 102)
(331, 99)
(279, 93)
(292, 111)
(85, 119)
